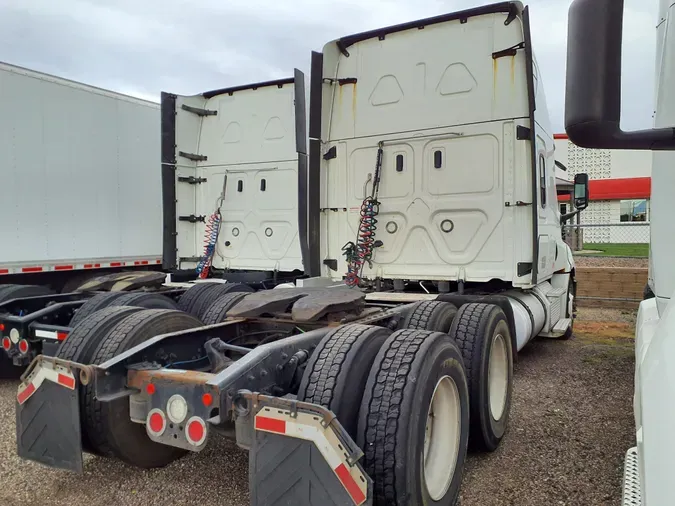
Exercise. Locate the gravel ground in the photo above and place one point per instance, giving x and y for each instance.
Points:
(571, 422)
(600, 261)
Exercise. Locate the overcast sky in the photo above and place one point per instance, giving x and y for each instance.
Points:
(142, 47)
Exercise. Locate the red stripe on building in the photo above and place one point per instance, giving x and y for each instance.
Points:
(618, 189)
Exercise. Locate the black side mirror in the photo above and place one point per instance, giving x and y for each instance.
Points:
(593, 90)
(581, 193)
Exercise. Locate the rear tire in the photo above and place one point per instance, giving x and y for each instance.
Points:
(10, 292)
(80, 344)
(96, 303)
(144, 300)
(482, 333)
(7, 368)
(199, 297)
(3, 289)
(415, 449)
(337, 371)
(108, 424)
(217, 311)
(430, 315)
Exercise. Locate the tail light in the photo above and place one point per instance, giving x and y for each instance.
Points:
(195, 431)
(6, 343)
(23, 346)
(155, 424)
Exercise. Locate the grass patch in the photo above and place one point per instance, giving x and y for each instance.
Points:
(619, 249)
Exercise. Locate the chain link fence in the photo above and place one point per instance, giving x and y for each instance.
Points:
(629, 239)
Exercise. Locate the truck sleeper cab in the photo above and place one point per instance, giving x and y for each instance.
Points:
(331, 387)
(242, 232)
(232, 162)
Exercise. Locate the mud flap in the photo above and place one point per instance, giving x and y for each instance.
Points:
(297, 458)
(48, 425)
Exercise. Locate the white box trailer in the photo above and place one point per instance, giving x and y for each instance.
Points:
(79, 179)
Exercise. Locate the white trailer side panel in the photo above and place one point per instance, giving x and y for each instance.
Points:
(79, 173)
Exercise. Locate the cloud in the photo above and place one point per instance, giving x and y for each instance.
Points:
(142, 47)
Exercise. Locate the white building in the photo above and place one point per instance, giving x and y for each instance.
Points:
(620, 187)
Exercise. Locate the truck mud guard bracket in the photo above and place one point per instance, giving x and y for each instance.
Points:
(299, 454)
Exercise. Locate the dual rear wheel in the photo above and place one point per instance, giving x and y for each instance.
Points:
(402, 397)
(436, 387)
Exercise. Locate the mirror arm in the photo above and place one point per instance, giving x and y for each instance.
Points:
(561, 166)
(567, 217)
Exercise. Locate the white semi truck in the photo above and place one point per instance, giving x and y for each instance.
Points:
(592, 120)
(430, 236)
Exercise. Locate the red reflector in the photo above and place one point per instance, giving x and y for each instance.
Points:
(270, 424)
(158, 261)
(156, 422)
(6, 343)
(116, 264)
(195, 432)
(88, 266)
(150, 388)
(25, 393)
(207, 399)
(23, 346)
(66, 381)
(6, 271)
(350, 484)
(31, 269)
(137, 262)
(63, 268)
(144, 262)
(61, 336)
(2, 327)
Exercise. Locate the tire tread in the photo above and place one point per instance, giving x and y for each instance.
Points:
(392, 368)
